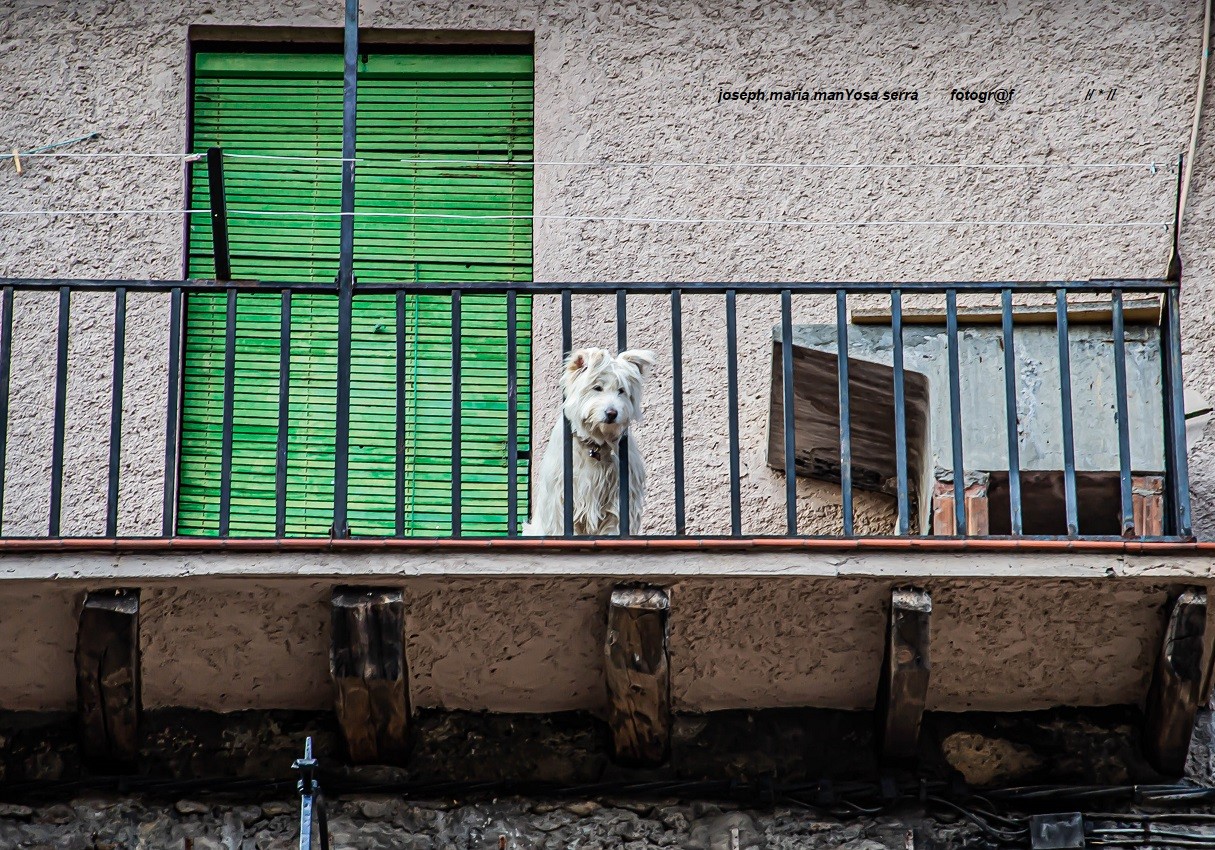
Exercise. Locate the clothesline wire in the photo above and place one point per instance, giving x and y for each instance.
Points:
(599, 218)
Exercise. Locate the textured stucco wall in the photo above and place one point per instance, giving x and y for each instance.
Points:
(527, 644)
(637, 82)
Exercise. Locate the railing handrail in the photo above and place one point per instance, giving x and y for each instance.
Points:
(1096, 285)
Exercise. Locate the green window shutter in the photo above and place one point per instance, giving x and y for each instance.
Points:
(438, 107)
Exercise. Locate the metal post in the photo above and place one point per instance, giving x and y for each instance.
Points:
(120, 335)
(345, 279)
(1175, 447)
(1065, 401)
(900, 411)
(6, 350)
(310, 800)
(786, 364)
(219, 214)
(1011, 425)
(57, 439)
(732, 405)
(284, 412)
(841, 360)
(567, 437)
(1126, 517)
(955, 413)
(512, 415)
(681, 525)
(622, 342)
(168, 509)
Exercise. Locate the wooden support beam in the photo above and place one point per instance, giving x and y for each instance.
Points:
(944, 521)
(903, 687)
(370, 674)
(1172, 702)
(107, 679)
(638, 675)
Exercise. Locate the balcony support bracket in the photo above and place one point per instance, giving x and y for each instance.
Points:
(1174, 696)
(638, 675)
(370, 673)
(108, 679)
(903, 686)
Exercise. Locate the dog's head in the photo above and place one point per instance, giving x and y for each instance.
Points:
(603, 393)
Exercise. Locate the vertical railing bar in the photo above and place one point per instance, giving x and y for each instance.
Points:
(622, 344)
(120, 335)
(681, 526)
(456, 423)
(229, 403)
(1065, 401)
(168, 507)
(1126, 511)
(841, 333)
(788, 401)
(900, 412)
(219, 214)
(6, 352)
(1011, 413)
(512, 415)
(284, 415)
(1179, 484)
(955, 412)
(345, 278)
(402, 401)
(567, 459)
(732, 404)
(57, 439)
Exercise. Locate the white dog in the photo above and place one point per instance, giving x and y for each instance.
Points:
(602, 398)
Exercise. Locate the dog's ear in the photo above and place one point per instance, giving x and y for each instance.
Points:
(578, 361)
(642, 359)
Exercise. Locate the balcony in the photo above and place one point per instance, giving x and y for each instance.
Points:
(156, 496)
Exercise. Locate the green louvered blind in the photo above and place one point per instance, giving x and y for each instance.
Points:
(416, 114)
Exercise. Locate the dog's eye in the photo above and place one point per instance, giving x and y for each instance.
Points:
(621, 390)
(597, 389)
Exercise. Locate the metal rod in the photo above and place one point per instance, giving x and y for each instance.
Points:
(567, 437)
(900, 412)
(413, 287)
(229, 404)
(1065, 400)
(345, 278)
(6, 355)
(350, 87)
(955, 412)
(57, 439)
(732, 406)
(456, 423)
(1179, 479)
(401, 409)
(622, 344)
(1126, 512)
(219, 214)
(169, 501)
(284, 414)
(120, 336)
(1011, 414)
(841, 334)
(512, 416)
(790, 422)
(681, 525)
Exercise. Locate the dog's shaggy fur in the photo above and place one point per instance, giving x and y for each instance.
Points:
(602, 398)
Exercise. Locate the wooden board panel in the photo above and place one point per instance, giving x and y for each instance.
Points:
(107, 679)
(638, 675)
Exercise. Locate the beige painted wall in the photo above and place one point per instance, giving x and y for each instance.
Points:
(639, 82)
(527, 644)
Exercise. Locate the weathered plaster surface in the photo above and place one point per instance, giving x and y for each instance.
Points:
(639, 82)
(530, 644)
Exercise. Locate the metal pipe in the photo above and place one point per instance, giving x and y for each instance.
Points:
(172, 406)
(284, 414)
(955, 413)
(116, 393)
(57, 438)
(1011, 413)
(567, 437)
(229, 378)
(841, 359)
(1065, 400)
(512, 416)
(219, 214)
(457, 495)
(1126, 510)
(732, 408)
(900, 411)
(622, 344)
(786, 357)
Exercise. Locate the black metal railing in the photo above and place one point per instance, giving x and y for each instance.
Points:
(776, 301)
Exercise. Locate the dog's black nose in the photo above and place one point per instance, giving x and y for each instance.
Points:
(610, 414)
